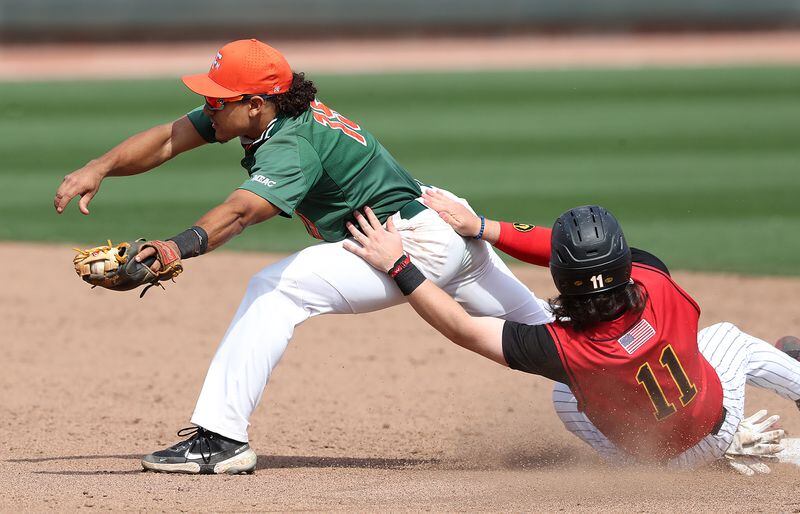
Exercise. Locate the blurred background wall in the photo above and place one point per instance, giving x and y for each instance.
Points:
(115, 20)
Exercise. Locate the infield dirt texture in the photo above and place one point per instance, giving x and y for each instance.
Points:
(377, 411)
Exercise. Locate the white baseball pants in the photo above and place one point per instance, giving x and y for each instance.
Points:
(738, 358)
(327, 279)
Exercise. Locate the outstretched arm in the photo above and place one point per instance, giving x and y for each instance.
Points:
(383, 249)
(137, 154)
(461, 217)
(240, 210)
(527, 243)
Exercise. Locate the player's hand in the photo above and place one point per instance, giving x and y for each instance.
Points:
(752, 437)
(380, 247)
(84, 182)
(465, 222)
(754, 445)
(149, 253)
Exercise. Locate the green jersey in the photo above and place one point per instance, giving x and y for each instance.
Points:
(321, 166)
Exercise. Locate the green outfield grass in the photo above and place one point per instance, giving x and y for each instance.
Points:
(701, 166)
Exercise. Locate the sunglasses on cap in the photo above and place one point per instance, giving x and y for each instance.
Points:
(217, 104)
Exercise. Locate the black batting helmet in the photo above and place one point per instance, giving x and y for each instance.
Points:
(589, 253)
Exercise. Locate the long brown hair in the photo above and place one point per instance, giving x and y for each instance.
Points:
(586, 310)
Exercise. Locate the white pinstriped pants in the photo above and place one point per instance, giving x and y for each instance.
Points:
(738, 359)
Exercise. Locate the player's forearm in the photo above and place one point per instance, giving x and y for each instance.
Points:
(230, 218)
(491, 231)
(137, 154)
(149, 149)
(223, 223)
(525, 242)
(520, 240)
(480, 335)
(440, 311)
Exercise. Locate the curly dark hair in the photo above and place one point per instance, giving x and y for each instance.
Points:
(295, 102)
(586, 310)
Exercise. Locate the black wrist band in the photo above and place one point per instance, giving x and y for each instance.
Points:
(191, 242)
(408, 278)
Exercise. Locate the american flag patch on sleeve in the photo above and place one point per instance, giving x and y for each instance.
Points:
(637, 336)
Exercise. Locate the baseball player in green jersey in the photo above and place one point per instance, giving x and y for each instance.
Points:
(302, 158)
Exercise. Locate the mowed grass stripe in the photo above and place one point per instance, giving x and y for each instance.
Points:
(701, 165)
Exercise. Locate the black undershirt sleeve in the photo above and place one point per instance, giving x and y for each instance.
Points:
(531, 348)
(649, 259)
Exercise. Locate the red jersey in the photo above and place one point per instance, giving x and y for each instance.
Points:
(641, 378)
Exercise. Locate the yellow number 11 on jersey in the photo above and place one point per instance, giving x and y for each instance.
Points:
(645, 376)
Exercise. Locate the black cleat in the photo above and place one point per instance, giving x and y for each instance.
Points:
(203, 453)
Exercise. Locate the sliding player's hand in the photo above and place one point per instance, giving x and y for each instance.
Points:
(380, 247)
(754, 444)
(465, 222)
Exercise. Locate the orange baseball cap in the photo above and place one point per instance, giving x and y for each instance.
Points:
(243, 67)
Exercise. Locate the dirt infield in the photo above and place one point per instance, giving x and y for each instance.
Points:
(65, 61)
(372, 412)
(369, 412)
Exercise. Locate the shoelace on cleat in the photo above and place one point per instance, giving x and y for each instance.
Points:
(198, 437)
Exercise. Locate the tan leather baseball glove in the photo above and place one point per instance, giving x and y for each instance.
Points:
(114, 267)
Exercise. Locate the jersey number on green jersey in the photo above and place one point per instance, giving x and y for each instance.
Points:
(325, 116)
